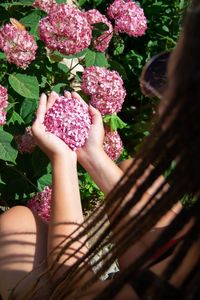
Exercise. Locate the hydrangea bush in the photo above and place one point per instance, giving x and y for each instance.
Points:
(95, 47)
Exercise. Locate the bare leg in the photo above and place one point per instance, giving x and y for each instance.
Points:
(23, 242)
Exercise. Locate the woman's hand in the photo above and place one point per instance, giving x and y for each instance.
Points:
(94, 143)
(52, 146)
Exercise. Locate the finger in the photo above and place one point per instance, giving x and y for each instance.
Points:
(51, 99)
(78, 97)
(42, 107)
(67, 94)
(95, 115)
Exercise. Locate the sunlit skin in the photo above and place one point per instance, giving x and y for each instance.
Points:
(25, 238)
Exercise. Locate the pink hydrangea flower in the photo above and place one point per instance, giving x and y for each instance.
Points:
(18, 45)
(65, 29)
(69, 119)
(41, 203)
(25, 142)
(3, 104)
(45, 5)
(105, 87)
(112, 144)
(129, 17)
(101, 43)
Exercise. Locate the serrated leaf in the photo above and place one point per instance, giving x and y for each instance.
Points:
(25, 85)
(15, 118)
(93, 58)
(10, 105)
(7, 152)
(114, 122)
(45, 180)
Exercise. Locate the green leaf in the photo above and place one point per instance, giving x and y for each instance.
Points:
(82, 2)
(93, 58)
(32, 20)
(61, 1)
(10, 105)
(39, 162)
(119, 45)
(98, 29)
(25, 85)
(58, 87)
(3, 70)
(15, 118)
(44, 181)
(57, 56)
(115, 65)
(165, 28)
(21, 3)
(2, 55)
(1, 181)
(114, 122)
(28, 109)
(63, 67)
(7, 152)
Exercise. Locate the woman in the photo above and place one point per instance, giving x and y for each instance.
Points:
(139, 206)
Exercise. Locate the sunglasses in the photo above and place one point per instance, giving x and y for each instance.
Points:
(153, 79)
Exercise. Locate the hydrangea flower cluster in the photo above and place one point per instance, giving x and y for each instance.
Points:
(41, 203)
(101, 43)
(25, 142)
(112, 144)
(105, 87)
(3, 104)
(129, 17)
(45, 5)
(69, 119)
(65, 29)
(18, 45)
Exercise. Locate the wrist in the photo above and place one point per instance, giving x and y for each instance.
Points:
(90, 156)
(64, 158)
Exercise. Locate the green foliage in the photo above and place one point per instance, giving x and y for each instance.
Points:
(7, 152)
(93, 58)
(114, 122)
(26, 86)
(22, 175)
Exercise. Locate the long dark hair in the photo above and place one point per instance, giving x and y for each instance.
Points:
(175, 138)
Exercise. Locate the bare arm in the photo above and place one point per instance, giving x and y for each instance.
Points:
(106, 174)
(66, 211)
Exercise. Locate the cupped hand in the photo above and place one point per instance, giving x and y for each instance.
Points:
(94, 143)
(52, 146)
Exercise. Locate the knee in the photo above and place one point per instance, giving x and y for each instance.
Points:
(15, 218)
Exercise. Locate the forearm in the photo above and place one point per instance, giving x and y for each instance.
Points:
(102, 169)
(66, 212)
